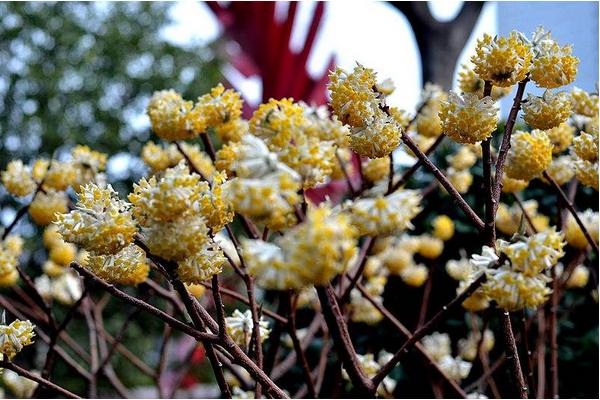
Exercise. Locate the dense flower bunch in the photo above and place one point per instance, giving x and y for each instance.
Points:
(585, 154)
(438, 347)
(518, 279)
(326, 241)
(15, 336)
(159, 158)
(10, 250)
(240, 326)
(573, 233)
(374, 132)
(469, 119)
(547, 111)
(553, 66)
(530, 154)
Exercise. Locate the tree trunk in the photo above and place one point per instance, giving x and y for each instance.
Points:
(440, 43)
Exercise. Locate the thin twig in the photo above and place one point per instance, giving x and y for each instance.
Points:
(23, 372)
(513, 354)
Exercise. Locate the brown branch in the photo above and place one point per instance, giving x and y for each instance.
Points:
(408, 335)
(554, 338)
(513, 354)
(443, 313)
(361, 264)
(258, 354)
(291, 325)
(444, 182)
(541, 355)
(44, 382)
(415, 167)
(341, 339)
(572, 210)
(505, 145)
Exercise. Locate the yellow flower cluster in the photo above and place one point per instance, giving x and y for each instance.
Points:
(573, 233)
(510, 185)
(303, 138)
(325, 241)
(173, 118)
(396, 254)
(127, 267)
(361, 309)
(585, 154)
(45, 206)
(463, 159)
(529, 155)
(503, 61)
(10, 250)
(88, 165)
(385, 214)
(443, 227)
(356, 102)
(509, 220)
(578, 278)
(462, 271)
(21, 387)
(561, 170)
(159, 158)
(469, 119)
(438, 347)
(428, 122)
(17, 179)
(553, 66)
(520, 281)
(584, 103)
(371, 367)
(101, 223)
(459, 163)
(65, 288)
(561, 137)
(468, 348)
(469, 82)
(240, 327)
(547, 111)
(15, 336)
(376, 169)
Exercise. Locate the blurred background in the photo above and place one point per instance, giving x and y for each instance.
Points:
(82, 73)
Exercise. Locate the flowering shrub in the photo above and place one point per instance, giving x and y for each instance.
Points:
(237, 220)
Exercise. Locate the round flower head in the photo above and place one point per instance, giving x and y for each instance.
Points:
(513, 290)
(385, 215)
(529, 155)
(53, 269)
(510, 185)
(266, 261)
(414, 275)
(573, 233)
(587, 173)
(461, 180)
(195, 290)
(579, 277)
(127, 267)
(459, 270)
(468, 119)
(63, 253)
(561, 137)
(534, 254)
(443, 227)
(585, 146)
(268, 200)
(428, 121)
(173, 118)
(277, 122)
(232, 130)
(504, 61)
(376, 169)
(17, 179)
(463, 159)
(88, 164)
(100, 223)
(455, 368)
(155, 156)
(66, 288)
(310, 157)
(60, 175)
(469, 82)
(9, 259)
(430, 247)
(178, 239)
(547, 111)
(208, 261)
(553, 66)
(319, 124)
(219, 106)
(469, 347)
(561, 170)
(437, 345)
(377, 139)
(214, 203)
(168, 197)
(240, 327)
(353, 99)
(15, 336)
(584, 103)
(45, 206)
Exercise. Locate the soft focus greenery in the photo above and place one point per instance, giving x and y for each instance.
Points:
(83, 73)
